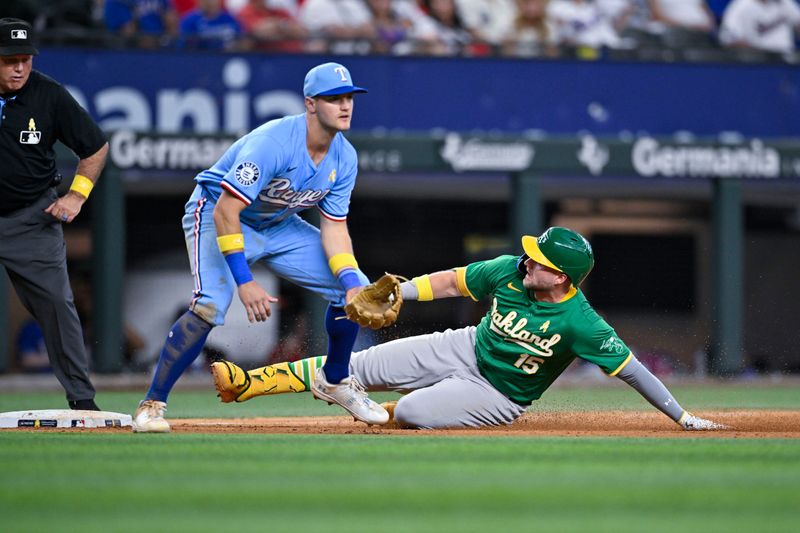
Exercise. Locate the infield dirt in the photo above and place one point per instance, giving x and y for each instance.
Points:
(753, 424)
(743, 424)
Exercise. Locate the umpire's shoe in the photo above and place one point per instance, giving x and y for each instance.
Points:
(351, 395)
(83, 405)
(149, 417)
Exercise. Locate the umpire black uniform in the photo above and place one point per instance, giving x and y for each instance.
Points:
(35, 112)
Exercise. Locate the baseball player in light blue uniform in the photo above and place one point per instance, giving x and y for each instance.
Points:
(244, 209)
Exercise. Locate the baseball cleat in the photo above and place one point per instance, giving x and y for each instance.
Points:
(689, 422)
(149, 417)
(229, 380)
(349, 394)
(83, 405)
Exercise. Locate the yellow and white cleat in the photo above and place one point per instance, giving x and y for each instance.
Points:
(230, 381)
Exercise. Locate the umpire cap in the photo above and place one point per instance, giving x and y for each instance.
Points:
(16, 38)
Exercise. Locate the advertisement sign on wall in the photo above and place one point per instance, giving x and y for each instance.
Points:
(168, 92)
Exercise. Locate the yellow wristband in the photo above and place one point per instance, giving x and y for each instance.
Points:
(229, 243)
(82, 185)
(423, 284)
(340, 261)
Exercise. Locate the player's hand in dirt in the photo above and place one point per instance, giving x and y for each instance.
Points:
(689, 422)
(256, 301)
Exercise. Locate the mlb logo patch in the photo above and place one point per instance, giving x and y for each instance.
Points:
(30, 137)
(247, 173)
(19, 34)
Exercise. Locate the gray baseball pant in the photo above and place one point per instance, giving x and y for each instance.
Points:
(439, 373)
(33, 251)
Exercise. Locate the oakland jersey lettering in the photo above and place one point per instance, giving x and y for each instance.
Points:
(509, 326)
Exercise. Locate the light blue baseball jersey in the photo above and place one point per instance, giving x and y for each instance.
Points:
(269, 169)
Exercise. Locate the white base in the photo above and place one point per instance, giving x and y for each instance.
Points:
(63, 418)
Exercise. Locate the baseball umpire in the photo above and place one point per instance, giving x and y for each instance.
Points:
(488, 374)
(35, 112)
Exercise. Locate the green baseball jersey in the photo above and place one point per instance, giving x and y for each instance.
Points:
(523, 345)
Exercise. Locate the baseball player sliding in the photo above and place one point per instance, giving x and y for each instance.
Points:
(538, 323)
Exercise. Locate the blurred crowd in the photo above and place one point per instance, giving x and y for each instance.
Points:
(695, 29)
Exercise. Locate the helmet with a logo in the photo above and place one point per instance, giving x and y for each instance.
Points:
(561, 249)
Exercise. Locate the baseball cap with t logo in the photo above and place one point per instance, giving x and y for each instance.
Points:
(329, 79)
(16, 38)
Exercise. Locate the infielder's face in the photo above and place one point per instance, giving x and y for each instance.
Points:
(540, 277)
(14, 72)
(334, 112)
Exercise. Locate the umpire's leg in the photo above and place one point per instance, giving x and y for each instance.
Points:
(34, 254)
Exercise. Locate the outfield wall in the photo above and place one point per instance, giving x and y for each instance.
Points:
(207, 93)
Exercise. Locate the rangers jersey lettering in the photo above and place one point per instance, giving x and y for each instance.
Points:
(276, 183)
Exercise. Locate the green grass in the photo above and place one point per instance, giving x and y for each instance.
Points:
(189, 404)
(204, 403)
(697, 396)
(87, 482)
(182, 482)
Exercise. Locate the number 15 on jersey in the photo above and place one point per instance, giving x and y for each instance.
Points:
(528, 363)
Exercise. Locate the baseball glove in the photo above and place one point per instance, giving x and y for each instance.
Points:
(377, 305)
